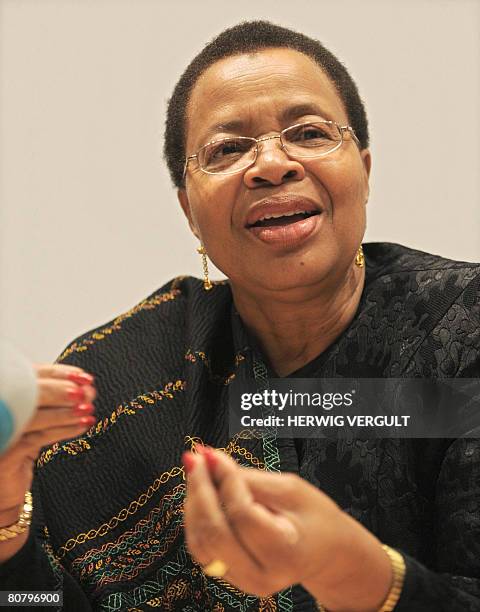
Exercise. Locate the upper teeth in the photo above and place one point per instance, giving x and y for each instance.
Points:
(290, 214)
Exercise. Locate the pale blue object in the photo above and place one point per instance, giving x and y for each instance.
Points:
(6, 425)
(18, 393)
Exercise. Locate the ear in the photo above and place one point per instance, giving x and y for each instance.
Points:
(367, 160)
(367, 165)
(185, 204)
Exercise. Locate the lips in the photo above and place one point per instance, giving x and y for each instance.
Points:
(284, 221)
(281, 209)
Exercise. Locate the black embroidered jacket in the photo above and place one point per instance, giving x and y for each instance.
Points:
(107, 524)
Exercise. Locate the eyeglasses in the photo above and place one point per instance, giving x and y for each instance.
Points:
(231, 155)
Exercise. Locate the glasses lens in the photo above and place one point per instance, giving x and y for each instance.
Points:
(227, 155)
(312, 139)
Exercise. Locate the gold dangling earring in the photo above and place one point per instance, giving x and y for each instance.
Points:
(207, 284)
(360, 258)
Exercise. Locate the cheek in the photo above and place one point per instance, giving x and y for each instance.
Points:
(211, 200)
(346, 187)
(349, 198)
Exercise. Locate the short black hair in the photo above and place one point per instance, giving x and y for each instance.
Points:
(248, 37)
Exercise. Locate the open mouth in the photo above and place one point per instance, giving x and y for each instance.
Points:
(286, 219)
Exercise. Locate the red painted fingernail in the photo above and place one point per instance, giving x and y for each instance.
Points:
(76, 394)
(211, 458)
(82, 378)
(188, 461)
(87, 420)
(83, 409)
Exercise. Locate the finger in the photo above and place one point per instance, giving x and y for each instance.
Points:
(286, 491)
(50, 417)
(208, 535)
(63, 372)
(30, 443)
(269, 536)
(274, 491)
(56, 392)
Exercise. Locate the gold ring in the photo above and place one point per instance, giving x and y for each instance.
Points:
(216, 568)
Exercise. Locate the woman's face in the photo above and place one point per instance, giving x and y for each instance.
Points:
(259, 95)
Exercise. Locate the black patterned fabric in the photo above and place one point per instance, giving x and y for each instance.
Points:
(108, 506)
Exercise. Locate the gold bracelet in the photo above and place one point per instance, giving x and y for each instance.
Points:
(24, 520)
(398, 569)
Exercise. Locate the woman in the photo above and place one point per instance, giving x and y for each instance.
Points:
(267, 143)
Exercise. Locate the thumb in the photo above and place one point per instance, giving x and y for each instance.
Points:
(286, 492)
(272, 518)
(275, 491)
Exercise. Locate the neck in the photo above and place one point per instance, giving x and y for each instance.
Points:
(293, 327)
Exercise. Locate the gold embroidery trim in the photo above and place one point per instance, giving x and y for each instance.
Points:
(75, 447)
(101, 334)
(231, 448)
(132, 508)
(194, 356)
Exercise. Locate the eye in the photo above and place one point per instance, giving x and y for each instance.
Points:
(313, 132)
(225, 151)
(310, 134)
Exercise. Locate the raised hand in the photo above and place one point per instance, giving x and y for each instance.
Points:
(265, 532)
(64, 410)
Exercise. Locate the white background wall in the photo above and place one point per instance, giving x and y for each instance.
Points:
(89, 221)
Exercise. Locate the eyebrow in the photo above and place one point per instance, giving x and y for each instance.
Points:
(306, 108)
(289, 114)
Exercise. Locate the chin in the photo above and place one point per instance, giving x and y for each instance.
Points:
(283, 276)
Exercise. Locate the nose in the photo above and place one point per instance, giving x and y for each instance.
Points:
(272, 166)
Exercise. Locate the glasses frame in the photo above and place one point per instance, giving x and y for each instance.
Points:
(341, 128)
